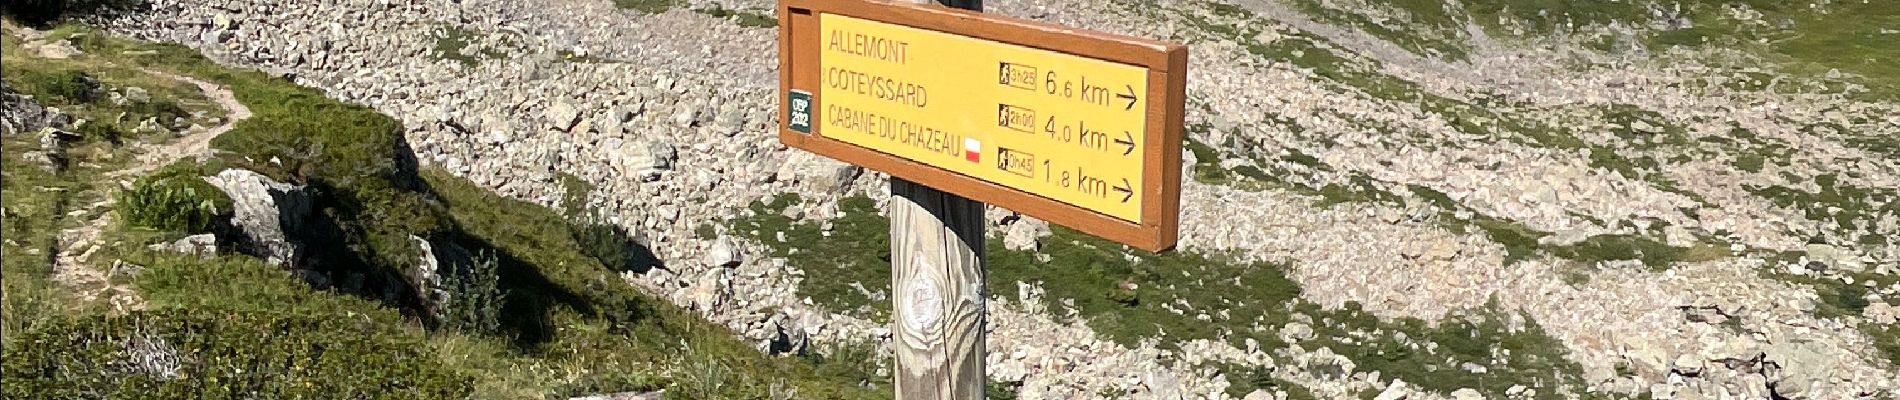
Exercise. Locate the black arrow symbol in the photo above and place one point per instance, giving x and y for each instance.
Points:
(1130, 96)
(1129, 143)
(1127, 192)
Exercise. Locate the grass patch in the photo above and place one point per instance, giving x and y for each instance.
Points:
(1207, 168)
(1126, 296)
(853, 270)
(453, 42)
(1850, 37)
(647, 6)
(35, 207)
(745, 18)
(1245, 379)
(1654, 254)
(552, 284)
(1428, 31)
(1848, 208)
(1886, 340)
(569, 325)
(206, 354)
(79, 86)
(1522, 243)
(1544, 17)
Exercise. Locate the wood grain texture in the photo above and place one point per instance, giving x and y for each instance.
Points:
(937, 264)
(937, 285)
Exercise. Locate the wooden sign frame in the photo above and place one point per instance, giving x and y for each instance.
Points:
(1166, 65)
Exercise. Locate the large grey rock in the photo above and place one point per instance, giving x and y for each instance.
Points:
(1881, 313)
(20, 113)
(264, 215)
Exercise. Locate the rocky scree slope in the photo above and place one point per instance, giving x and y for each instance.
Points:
(1697, 220)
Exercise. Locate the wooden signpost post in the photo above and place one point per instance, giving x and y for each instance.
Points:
(1078, 128)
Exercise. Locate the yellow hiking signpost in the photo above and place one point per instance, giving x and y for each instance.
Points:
(1052, 124)
(1079, 128)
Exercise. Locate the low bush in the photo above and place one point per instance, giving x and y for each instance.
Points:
(174, 199)
(472, 299)
(100, 131)
(602, 241)
(188, 354)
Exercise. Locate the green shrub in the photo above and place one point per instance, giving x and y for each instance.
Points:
(59, 87)
(474, 299)
(602, 241)
(173, 200)
(95, 130)
(189, 354)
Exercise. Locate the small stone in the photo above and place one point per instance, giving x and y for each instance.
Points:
(1466, 394)
(1882, 313)
(1295, 331)
(561, 116)
(1026, 234)
(201, 245)
(1394, 391)
(1687, 365)
(137, 94)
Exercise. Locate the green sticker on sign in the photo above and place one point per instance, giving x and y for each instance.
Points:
(801, 111)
